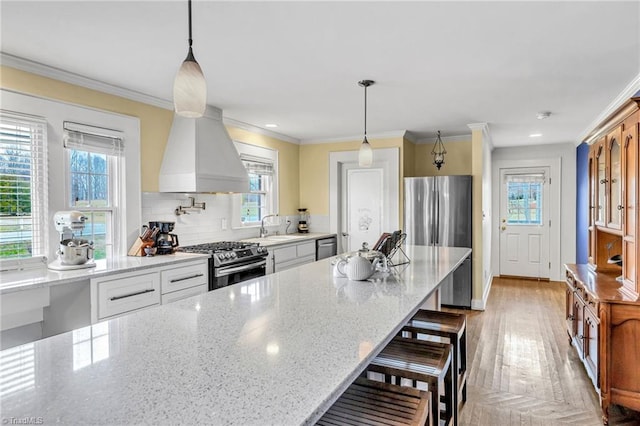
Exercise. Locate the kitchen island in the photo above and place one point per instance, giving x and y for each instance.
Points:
(273, 350)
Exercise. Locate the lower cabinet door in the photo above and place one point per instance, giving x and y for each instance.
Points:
(118, 295)
(591, 346)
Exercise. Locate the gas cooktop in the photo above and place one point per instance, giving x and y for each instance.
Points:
(228, 252)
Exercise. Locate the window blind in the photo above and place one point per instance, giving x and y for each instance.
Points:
(257, 166)
(525, 178)
(23, 186)
(91, 138)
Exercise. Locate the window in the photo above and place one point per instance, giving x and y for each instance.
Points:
(524, 194)
(23, 186)
(93, 159)
(262, 199)
(259, 201)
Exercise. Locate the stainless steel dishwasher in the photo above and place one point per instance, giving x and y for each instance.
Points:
(326, 247)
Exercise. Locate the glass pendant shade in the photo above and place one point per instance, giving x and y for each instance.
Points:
(365, 155)
(190, 89)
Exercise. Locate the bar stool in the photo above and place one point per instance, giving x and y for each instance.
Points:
(375, 403)
(453, 327)
(420, 361)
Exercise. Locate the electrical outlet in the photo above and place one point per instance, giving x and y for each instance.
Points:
(223, 223)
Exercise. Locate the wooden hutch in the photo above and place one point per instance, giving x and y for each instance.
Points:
(602, 303)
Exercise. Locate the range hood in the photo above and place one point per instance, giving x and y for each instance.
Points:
(200, 157)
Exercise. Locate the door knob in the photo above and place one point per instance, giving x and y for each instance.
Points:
(504, 228)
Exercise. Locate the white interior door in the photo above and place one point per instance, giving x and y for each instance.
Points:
(363, 202)
(362, 212)
(524, 222)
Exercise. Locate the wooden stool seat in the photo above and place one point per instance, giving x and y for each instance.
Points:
(453, 327)
(367, 402)
(420, 361)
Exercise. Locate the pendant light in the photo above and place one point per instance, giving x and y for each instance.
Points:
(365, 155)
(438, 152)
(190, 87)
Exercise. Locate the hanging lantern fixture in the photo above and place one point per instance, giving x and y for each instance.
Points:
(438, 152)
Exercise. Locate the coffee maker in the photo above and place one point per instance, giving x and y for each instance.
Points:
(303, 226)
(165, 241)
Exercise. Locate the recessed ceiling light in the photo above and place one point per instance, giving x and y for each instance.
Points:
(535, 135)
(271, 125)
(542, 115)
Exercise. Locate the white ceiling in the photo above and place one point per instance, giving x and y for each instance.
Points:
(437, 65)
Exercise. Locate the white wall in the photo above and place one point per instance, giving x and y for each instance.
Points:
(567, 209)
(214, 223)
(487, 255)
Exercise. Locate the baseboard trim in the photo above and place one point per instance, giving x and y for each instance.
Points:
(516, 277)
(480, 304)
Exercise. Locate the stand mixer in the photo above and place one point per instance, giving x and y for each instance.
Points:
(73, 253)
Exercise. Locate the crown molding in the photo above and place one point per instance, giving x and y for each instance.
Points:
(79, 80)
(627, 93)
(446, 139)
(370, 136)
(477, 126)
(231, 122)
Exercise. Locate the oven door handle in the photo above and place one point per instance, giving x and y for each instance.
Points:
(228, 271)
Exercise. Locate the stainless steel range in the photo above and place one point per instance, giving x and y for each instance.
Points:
(231, 261)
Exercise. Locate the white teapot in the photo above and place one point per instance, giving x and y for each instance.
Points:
(356, 268)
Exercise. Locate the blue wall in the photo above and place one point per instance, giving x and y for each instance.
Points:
(582, 203)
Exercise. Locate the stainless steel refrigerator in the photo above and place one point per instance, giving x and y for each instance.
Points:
(437, 212)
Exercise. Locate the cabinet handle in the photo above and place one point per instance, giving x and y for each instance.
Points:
(571, 318)
(620, 207)
(581, 337)
(149, 290)
(603, 181)
(175, 280)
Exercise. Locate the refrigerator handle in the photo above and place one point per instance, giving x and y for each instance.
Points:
(437, 218)
(433, 219)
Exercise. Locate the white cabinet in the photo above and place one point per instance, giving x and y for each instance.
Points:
(123, 293)
(291, 255)
(184, 281)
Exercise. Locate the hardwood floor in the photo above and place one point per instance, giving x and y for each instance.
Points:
(522, 370)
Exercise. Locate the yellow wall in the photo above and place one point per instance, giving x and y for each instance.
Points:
(314, 170)
(457, 161)
(155, 122)
(288, 166)
(477, 246)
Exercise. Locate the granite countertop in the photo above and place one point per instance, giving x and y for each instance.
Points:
(282, 239)
(42, 277)
(274, 350)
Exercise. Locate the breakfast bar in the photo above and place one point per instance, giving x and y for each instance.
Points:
(278, 349)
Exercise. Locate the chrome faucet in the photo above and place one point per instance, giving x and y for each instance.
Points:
(263, 231)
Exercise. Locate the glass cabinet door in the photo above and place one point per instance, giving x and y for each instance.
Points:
(602, 185)
(615, 187)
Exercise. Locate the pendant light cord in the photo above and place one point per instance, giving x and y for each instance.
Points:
(190, 40)
(365, 111)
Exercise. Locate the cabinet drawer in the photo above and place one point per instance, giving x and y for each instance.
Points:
(183, 277)
(306, 249)
(120, 295)
(183, 294)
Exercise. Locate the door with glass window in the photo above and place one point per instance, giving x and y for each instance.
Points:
(524, 222)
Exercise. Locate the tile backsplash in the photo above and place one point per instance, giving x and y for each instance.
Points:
(214, 223)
